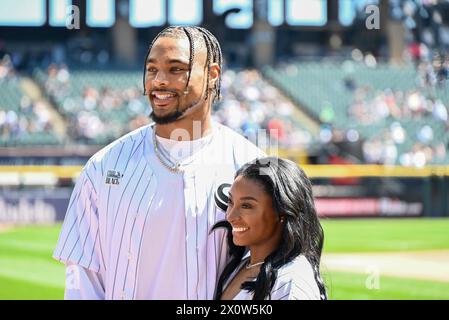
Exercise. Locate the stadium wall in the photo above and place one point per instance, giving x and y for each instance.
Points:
(40, 194)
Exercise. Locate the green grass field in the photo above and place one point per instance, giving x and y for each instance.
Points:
(27, 270)
(384, 235)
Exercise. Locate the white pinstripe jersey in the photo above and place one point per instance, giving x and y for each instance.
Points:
(295, 281)
(144, 230)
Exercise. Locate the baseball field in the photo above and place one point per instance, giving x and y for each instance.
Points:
(363, 259)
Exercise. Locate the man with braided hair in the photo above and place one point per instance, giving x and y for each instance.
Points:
(138, 221)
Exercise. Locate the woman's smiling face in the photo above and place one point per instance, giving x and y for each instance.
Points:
(252, 216)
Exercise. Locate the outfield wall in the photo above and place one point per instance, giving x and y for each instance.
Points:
(40, 194)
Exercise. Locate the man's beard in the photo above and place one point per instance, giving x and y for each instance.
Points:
(175, 115)
(168, 118)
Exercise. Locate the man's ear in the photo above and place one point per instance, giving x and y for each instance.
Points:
(214, 74)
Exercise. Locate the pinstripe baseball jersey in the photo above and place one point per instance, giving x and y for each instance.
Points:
(295, 281)
(134, 230)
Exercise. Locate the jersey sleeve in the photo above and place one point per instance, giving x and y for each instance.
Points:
(83, 284)
(296, 283)
(79, 239)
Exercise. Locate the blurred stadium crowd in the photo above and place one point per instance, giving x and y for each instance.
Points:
(395, 115)
(22, 120)
(345, 105)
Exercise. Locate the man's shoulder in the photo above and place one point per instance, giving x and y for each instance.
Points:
(133, 138)
(241, 146)
(231, 134)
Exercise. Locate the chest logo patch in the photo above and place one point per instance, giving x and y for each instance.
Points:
(113, 177)
(221, 196)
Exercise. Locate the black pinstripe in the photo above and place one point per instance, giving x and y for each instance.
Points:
(137, 148)
(123, 229)
(141, 238)
(196, 245)
(99, 246)
(215, 247)
(302, 290)
(214, 185)
(96, 210)
(221, 251)
(307, 284)
(91, 182)
(233, 157)
(282, 298)
(133, 150)
(132, 230)
(92, 253)
(280, 287)
(282, 274)
(75, 199)
(87, 234)
(129, 158)
(185, 253)
(98, 230)
(109, 193)
(207, 239)
(122, 193)
(81, 220)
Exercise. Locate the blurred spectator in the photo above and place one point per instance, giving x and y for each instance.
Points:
(28, 120)
(7, 71)
(98, 114)
(20, 117)
(411, 121)
(57, 83)
(440, 111)
(434, 73)
(395, 105)
(250, 103)
(371, 107)
(443, 73)
(418, 52)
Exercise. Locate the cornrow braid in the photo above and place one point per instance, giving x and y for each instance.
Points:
(209, 50)
(192, 54)
(214, 54)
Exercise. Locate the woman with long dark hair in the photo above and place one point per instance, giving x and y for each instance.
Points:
(274, 235)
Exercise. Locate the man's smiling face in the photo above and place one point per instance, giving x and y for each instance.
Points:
(167, 71)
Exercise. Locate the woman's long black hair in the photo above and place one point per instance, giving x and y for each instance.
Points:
(302, 234)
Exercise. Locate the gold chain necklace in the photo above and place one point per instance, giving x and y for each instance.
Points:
(173, 169)
(177, 167)
(250, 266)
